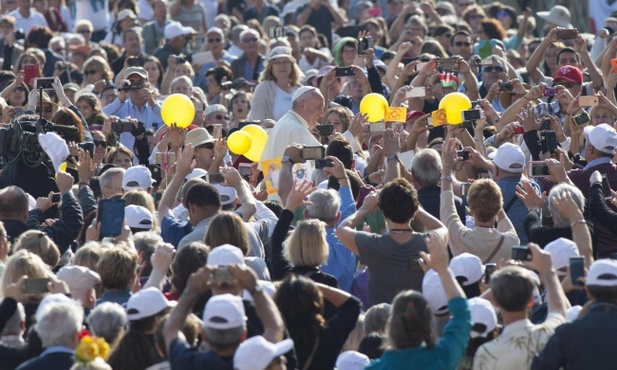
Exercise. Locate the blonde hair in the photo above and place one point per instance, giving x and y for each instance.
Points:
(40, 244)
(294, 76)
(23, 263)
(307, 245)
(90, 253)
(484, 199)
(144, 199)
(118, 268)
(99, 64)
(228, 228)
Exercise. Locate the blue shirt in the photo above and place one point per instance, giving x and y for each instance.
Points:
(341, 261)
(200, 78)
(182, 356)
(173, 231)
(115, 296)
(596, 162)
(518, 211)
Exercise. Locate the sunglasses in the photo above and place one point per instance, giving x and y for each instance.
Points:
(220, 117)
(567, 85)
(254, 39)
(90, 72)
(100, 143)
(205, 146)
(476, 17)
(490, 69)
(215, 40)
(462, 43)
(20, 88)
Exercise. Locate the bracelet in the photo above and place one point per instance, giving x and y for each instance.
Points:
(578, 222)
(83, 183)
(447, 178)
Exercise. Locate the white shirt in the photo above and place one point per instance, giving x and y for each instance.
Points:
(145, 10)
(35, 19)
(99, 17)
(290, 129)
(282, 103)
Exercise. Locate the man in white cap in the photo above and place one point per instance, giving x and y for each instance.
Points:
(224, 320)
(176, 38)
(587, 343)
(307, 107)
(216, 41)
(137, 178)
(257, 353)
(137, 103)
(81, 282)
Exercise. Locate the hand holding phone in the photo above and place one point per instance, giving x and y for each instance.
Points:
(521, 253)
(577, 270)
(36, 285)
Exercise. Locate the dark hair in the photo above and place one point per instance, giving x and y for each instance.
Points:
(372, 345)
(512, 287)
(355, 182)
(81, 237)
(38, 37)
(301, 305)
(411, 322)
(603, 293)
(203, 195)
(458, 33)
(155, 60)
(219, 72)
(568, 49)
(189, 259)
(66, 117)
(398, 200)
(341, 149)
(441, 30)
(275, 206)
(493, 29)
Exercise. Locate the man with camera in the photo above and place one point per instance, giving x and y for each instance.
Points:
(176, 38)
(135, 100)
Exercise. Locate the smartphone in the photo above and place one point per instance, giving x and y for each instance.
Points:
(312, 152)
(567, 34)
(448, 63)
(406, 61)
(577, 269)
(215, 178)
(549, 91)
(471, 115)
(133, 62)
(606, 188)
(519, 130)
(521, 253)
(581, 119)
(88, 147)
(31, 72)
(463, 154)
(420, 65)
(363, 44)
(221, 275)
(549, 139)
(505, 86)
(167, 157)
(325, 130)
(465, 187)
(588, 101)
(344, 72)
(245, 170)
(413, 265)
(322, 162)
(537, 169)
(111, 216)
(489, 268)
(417, 92)
(429, 122)
(55, 198)
(377, 127)
(217, 131)
(44, 83)
(613, 63)
(36, 285)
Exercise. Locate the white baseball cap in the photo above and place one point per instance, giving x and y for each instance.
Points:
(256, 353)
(482, 312)
(561, 250)
(225, 255)
(467, 266)
(175, 29)
(78, 277)
(227, 194)
(136, 178)
(197, 172)
(435, 294)
(224, 311)
(147, 302)
(602, 137)
(138, 217)
(603, 273)
(352, 360)
(509, 157)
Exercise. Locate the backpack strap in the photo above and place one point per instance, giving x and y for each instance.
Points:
(497, 248)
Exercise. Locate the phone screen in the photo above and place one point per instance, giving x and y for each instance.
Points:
(606, 188)
(538, 169)
(344, 72)
(111, 216)
(36, 286)
(312, 152)
(577, 269)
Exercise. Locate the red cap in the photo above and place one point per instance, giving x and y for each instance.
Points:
(569, 74)
(414, 114)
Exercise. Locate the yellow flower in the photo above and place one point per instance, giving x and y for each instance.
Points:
(87, 350)
(103, 348)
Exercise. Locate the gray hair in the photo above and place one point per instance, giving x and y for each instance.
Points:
(376, 318)
(224, 338)
(12, 325)
(426, 167)
(58, 39)
(58, 322)
(107, 177)
(107, 320)
(326, 205)
(147, 241)
(558, 219)
(179, 79)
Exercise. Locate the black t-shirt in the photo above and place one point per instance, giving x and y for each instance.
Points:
(183, 356)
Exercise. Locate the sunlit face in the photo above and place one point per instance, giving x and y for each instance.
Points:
(601, 115)
(348, 55)
(355, 89)
(203, 155)
(492, 73)
(123, 161)
(308, 39)
(335, 120)
(567, 59)
(108, 97)
(281, 68)
(92, 74)
(153, 72)
(100, 145)
(240, 107)
(374, 32)
(28, 61)
(85, 108)
(48, 110)
(212, 86)
(461, 45)
(182, 70)
(6, 28)
(132, 43)
(181, 87)
(215, 42)
(550, 56)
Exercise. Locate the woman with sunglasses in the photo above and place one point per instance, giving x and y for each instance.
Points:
(96, 69)
(17, 92)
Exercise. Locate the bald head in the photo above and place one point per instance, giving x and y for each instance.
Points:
(13, 204)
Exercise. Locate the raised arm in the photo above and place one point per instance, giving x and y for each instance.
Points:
(346, 230)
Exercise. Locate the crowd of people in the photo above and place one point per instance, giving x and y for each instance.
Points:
(475, 231)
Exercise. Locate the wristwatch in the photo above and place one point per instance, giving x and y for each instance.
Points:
(389, 158)
(257, 289)
(287, 159)
(446, 178)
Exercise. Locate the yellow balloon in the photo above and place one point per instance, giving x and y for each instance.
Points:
(375, 105)
(239, 142)
(178, 109)
(454, 104)
(258, 141)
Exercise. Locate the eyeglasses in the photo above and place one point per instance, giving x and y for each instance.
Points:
(462, 43)
(90, 72)
(100, 143)
(254, 39)
(220, 117)
(58, 51)
(215, 40)
(567, 85)
(490, 69)
(20, 88)
(83, 31)
(205, 146)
